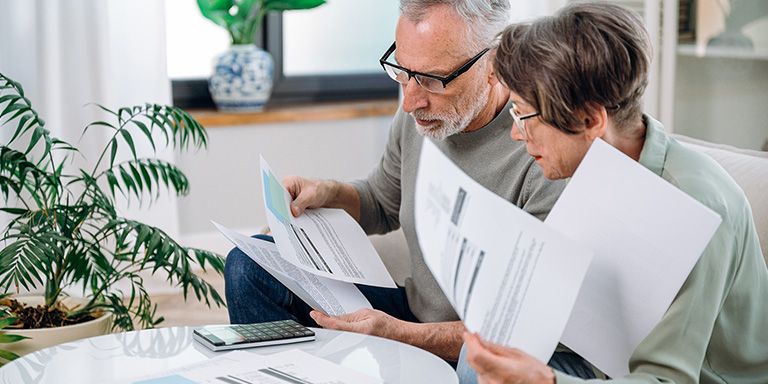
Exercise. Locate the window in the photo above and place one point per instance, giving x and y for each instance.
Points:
(327, 53)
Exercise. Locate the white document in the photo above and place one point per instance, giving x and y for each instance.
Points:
(330, 296)
(508, 276)
(240, 367)
(647, 236)
(323, 241)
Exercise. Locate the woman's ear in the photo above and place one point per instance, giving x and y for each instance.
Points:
(594, 119)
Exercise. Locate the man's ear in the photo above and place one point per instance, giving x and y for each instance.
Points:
(594, 119)
(491, 71)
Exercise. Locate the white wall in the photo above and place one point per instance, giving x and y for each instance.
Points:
(722, 100)
(224, 179)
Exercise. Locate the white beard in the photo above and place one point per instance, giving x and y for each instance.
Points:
(449, 124)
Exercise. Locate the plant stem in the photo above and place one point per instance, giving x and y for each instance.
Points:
(106, 148)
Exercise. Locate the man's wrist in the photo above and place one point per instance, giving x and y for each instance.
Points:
(442, 339)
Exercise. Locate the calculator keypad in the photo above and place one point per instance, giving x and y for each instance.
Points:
(274, 330)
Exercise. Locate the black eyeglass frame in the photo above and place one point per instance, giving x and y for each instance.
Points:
(444, 80)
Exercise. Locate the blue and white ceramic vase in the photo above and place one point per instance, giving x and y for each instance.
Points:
(242, 78)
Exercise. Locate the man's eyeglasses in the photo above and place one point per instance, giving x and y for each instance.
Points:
(432, 83)
(520, 120)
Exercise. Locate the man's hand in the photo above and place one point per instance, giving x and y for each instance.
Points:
(368, 321)
(311, 193)
(496, 364)
(308, 193)
(442, 339)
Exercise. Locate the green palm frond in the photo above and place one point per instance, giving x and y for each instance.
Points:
(143, 175)
(26, 260)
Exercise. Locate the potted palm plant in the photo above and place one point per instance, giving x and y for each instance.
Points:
(65, 230)
(243, 75)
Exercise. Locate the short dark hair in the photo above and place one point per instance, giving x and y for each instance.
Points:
(587, 54)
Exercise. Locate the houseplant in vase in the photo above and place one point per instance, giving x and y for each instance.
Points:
(243, 75)
(66, 233)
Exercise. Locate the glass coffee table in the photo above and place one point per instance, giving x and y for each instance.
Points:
(128, 355)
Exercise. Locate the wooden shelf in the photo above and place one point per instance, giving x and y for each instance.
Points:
(297, 113)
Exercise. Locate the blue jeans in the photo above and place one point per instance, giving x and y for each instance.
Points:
(566, 362)
(253, 295)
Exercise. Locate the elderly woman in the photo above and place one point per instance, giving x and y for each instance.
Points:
(579, 76)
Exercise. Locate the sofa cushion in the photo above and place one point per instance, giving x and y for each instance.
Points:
(750, 170)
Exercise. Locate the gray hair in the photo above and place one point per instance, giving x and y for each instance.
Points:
(485, 19)
(587, 54)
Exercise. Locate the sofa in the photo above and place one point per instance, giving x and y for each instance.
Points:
(749, 168)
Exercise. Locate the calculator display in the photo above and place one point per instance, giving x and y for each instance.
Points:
(226, 334)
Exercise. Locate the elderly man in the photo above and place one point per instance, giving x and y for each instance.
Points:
(451, 96)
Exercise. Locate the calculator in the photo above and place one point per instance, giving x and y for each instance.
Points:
(238, 336)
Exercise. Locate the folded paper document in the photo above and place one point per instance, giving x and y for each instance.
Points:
(330, 296)
(647, 236)
(598, 275)
(326, 242)
(510, 278)
(240, 367)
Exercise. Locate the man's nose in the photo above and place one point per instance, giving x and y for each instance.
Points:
(414, 96)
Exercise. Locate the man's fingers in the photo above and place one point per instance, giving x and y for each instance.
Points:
(293, 185)
(499, 349)
(488, 365)
(353, 316)
(329, 322)
(296, 210)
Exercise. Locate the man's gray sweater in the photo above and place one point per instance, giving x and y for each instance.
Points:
(488, 155)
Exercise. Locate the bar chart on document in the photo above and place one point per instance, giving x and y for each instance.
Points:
(275, 202)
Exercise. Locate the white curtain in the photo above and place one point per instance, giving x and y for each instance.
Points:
(67, 54)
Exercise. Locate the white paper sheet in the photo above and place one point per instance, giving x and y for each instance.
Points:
(647, 235)
(508, 276)
(326, 242)
(240, 367)
(330, 296)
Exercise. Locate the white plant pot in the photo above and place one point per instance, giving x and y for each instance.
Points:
(48, 337)
(242, 78)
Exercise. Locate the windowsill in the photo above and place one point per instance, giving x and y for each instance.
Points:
(342, 110)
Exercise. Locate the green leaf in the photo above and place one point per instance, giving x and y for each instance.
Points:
(287, 5)
(136, 177)
(129, 140)
(217, 11)
(147, 133)
(113, 183)
(127, 181)
(8, 338)
(15, 211)
(113, 152)
(145, 175)
(98, 123)
(6, 321)
(36, 135)
(8, 355)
